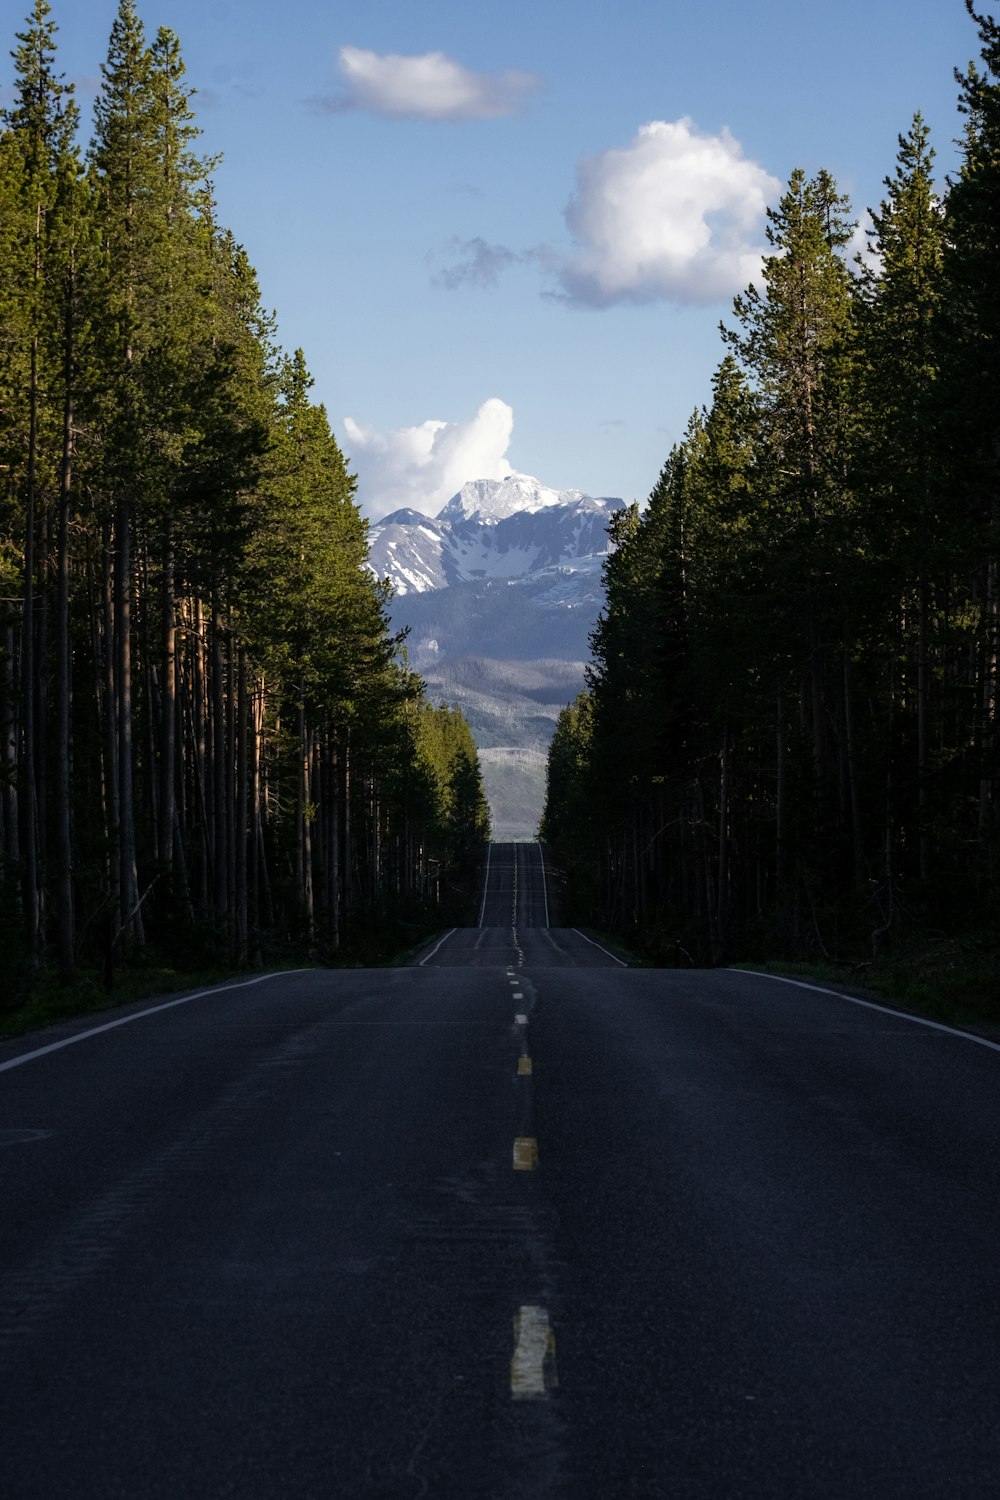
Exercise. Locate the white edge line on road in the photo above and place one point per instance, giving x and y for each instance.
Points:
(486, 883)
(586, 939)
(81, 1036)
(437, 945)
(898, 1015)
(545, 894)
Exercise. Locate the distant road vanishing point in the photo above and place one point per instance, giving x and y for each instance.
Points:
(514, 1221)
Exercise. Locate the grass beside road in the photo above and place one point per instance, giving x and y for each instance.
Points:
(615, 946)
(955, 980)
(48, 1001)
(38, 1000)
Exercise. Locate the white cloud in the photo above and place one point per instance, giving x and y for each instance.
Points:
(862, 243)
(675, 215)
(428, 87)
(424, 466)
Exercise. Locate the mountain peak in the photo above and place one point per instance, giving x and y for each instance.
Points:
(490, 500)
(507, 530)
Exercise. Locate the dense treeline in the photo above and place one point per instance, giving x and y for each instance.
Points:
(208, 741)
(789, 744)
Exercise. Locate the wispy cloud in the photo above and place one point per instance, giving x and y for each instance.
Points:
(676, 215)
(423, 466)
(431, 86)
(474, 263)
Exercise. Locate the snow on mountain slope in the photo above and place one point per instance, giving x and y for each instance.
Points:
(512, 528)
(492, 500)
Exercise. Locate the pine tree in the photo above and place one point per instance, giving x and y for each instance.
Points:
(971, 385)
(795, 338)
(39, 136)
(899, 457)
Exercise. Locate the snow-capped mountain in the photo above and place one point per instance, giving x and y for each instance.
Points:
(489, 500)
(511, 528)
(498, 594)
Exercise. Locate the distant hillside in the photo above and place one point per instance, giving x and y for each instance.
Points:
(515, 785)
(511, 704)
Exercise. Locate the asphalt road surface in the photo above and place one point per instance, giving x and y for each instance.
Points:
(513, 1221)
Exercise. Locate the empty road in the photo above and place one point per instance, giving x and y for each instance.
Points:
(514, 1221)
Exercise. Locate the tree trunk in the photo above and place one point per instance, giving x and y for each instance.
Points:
(783, 852)
(722, 919)
(28, 800)
(130, 925)
(242, 764)
(334, 875)
(65, 927)
(857, 846)
(8, 746)
(168, 705)
(218, 779)
(923, 729)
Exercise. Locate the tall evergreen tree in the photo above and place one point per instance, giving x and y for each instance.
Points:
(898, 451)
(39, 137)
(971, 382)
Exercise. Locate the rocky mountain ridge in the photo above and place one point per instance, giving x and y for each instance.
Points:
(514, 528)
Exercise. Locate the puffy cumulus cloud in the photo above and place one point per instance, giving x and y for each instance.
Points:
(424, 466)
(675, 215)
(431, 86)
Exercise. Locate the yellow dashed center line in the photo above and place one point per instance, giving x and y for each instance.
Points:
(525, 1153)
(533, 1367)
(523, 1066)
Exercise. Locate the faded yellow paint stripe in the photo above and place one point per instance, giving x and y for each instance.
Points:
(525, 1153)
(533, 1367)
(523, 1066)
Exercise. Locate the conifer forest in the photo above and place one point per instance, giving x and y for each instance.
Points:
(789, 741)
(211, 746)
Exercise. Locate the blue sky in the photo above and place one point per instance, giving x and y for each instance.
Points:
(505, 233)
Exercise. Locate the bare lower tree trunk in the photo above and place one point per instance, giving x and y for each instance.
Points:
(254, 832)
(28, 801)
(722, 919)
(199, 734)
(168, 705)
(348, 882)
(988, 697)
(8, 746)
(218, 780)
(923, 729)
(334, 868)
(242, 793)
(304, 858)
(854, 800)
(232, 735)
(783, 853)
(109, 719)
(65, 927)
(131, 916)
